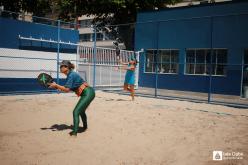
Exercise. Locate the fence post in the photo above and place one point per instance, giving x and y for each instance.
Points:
(211, 56)
(242, 77)
(138, 53)
(94, 58)
(156, 61)
(58, 49)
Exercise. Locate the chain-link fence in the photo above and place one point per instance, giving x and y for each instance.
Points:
(29, 49)
(200, 58)
(31, 45)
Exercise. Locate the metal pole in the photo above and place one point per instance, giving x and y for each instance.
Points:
(58, 47)
(242, 76)
(156, 61)
(77, 58)
(94, 58)
(137, 69)
(110, 77)
(211, 57)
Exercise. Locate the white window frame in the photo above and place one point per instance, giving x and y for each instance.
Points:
(146, 63)
(170, 63)
(205, 62)
(161, 64)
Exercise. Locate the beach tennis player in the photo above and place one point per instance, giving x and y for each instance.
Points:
(130, 76)
(78, 85)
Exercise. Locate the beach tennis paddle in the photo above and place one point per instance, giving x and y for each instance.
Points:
(44, 79)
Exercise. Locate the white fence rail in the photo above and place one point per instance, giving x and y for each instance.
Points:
(109, 73)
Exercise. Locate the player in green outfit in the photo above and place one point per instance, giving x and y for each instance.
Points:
(77, 84)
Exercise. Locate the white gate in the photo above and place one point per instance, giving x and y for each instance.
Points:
(108, 72)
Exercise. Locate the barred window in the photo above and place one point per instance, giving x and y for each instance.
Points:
(150, 61)
(219, 61)
(198, 61)
(85, 23)
(85, 37)
(167, 61)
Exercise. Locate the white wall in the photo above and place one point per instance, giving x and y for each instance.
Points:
(22, 67)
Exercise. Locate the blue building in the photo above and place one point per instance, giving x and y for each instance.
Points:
(10, 30)
(21, 60)
(200, 48)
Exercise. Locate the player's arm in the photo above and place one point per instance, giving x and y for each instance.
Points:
(59, 87)
(124, 63)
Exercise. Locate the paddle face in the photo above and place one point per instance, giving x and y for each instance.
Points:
(44, 79)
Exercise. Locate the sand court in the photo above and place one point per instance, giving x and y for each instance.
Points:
(34, 130)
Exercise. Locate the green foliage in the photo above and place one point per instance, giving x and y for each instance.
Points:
(115, 12)
(37, 7)
(106, 12)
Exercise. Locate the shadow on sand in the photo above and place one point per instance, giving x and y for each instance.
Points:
(62, 127)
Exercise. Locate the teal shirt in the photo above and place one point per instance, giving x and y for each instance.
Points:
(73, 81)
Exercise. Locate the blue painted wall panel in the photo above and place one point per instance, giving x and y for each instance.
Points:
(231, 31)
(196, 11)
(11, 29)
(185, 34)
(190, 27)
(10, 85)
(149, 40)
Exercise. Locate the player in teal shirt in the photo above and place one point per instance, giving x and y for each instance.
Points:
(130, 76)
(73, 80)
(86, 93)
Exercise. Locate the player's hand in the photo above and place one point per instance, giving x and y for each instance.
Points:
(52, 85)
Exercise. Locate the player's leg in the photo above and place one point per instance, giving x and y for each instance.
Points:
(125, 87)
(131, 89)
(131, 84)
(84, 120)
(87, 96)
(127, 80)
(75, 121)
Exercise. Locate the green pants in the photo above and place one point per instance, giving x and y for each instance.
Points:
(86, 97)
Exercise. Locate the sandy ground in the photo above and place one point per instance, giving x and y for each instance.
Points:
(34, 130)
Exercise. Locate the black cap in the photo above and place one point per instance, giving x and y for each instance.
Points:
(65, 63)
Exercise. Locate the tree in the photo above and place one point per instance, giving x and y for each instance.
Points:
(37, 7)
(112, 12)
(106, 12)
